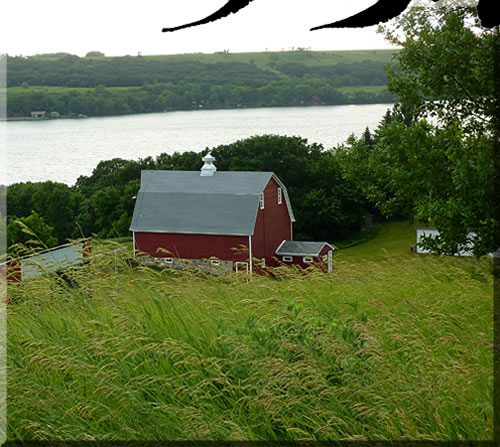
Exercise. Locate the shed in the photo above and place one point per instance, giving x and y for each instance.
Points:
(466, 249)
(306, 253)
(51, 260)
(424, 232)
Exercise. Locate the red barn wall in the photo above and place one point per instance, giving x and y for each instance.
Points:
(272, 226)
(192, 246)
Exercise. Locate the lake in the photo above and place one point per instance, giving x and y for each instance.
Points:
(62, 150)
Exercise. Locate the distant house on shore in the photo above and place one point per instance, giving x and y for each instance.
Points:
(231, 220)
(38, 115)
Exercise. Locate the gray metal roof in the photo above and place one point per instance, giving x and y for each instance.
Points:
(301, 248)
(185, 202)
(232, 182)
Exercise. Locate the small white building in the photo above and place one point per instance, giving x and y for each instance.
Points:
(422, 232)
(38, 115)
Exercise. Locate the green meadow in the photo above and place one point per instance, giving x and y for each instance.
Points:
(390, 346)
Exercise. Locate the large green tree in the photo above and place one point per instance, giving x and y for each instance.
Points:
(435, 155)
(446, 69)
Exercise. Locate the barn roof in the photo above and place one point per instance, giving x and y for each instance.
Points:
(185, 202)
(301, 248)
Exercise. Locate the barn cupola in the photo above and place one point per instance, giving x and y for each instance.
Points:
(208, 169)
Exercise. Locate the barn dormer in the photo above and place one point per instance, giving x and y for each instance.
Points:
(208, 169)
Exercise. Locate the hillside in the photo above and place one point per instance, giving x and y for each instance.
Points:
(97, 86)
(391, 348)
(359, 68)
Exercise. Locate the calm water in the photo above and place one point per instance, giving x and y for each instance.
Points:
(62, 150)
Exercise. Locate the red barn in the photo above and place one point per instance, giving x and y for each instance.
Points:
(230, 218)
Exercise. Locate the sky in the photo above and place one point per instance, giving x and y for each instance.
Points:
(127, 27)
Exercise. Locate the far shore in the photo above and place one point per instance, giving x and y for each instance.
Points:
(19, 118)
(28, 118)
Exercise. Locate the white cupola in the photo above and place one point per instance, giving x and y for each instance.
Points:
(208, 169)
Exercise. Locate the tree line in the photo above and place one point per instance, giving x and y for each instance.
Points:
(160, 97)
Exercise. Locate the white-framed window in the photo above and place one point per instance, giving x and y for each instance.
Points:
(215, 262)
(169, 260)
(325, 257)
(280, 196)
(263, 262)
(307, 259)
(287, 258)
(262, 201)
(242, 267)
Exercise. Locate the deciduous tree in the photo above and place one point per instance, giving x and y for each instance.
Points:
(435, 155)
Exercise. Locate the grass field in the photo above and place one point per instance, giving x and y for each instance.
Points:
(391, 345)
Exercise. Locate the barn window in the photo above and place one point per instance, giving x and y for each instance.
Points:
(169, 260)
(307, 259)
(280, 196)
(325, 257)
(242, 267)
(287, 258)
(262, 201)
(263, 262)
(215, 262)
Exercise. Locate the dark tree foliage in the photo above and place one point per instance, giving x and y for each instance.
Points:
(95, 54)
(72, 71)
(356, 73)
(160, 97)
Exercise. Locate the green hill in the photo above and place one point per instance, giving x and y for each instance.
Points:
(97, 86)
(72, 71)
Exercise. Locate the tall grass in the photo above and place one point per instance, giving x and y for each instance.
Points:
(394, 349)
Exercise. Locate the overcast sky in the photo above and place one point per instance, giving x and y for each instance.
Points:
(121, 27)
